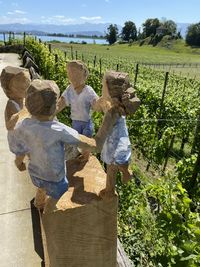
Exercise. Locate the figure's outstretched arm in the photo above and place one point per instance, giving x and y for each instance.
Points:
(96, 143)
(11, 120)
(13, 115)
(60, 104)
(102, 105)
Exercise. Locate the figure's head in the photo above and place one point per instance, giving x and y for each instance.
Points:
(41, 97)
(117, 89)
(77, 72)
(115, 84)
(15, 81)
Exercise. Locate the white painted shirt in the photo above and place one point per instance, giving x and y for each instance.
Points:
(44, 142)
(117, 147)
(80, 104)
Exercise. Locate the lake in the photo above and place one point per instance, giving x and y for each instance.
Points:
(45, 38)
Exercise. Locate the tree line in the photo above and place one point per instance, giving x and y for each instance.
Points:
(153, 28)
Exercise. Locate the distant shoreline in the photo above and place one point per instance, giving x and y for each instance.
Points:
(82, 39)
(55, 35)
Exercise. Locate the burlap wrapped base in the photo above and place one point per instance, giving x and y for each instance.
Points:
(81, 228)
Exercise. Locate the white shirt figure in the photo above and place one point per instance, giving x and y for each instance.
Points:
(80, 104)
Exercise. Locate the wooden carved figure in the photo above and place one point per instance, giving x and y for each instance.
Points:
(14, 81)
(116, 151)
(80, 97)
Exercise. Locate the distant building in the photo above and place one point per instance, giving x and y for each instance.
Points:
(161, 30)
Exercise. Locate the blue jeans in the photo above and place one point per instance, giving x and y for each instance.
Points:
(53, 189)
(83, 127)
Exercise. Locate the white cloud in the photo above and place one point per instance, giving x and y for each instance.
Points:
(91, 18)
(16, 12)
(15, 16)
(19, 12)
(8, 19)
(57, 19)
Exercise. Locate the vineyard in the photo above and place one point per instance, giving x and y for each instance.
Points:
(178, 59)
(158, 219)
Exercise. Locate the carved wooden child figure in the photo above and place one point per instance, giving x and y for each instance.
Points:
(80, 97)
(14, 81)
(43, 138)
(116, 152)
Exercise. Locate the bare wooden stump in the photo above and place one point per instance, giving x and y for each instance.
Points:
(80, 228)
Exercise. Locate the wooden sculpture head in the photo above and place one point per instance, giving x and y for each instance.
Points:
(117, 88)
(77, 73)
(15, 81)
(115, 84)
(41, 97)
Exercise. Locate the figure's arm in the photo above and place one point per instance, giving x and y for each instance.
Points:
(101, 105)
(86, 143)
(96, 143)
(17, 145)
(61, 104)
(11, 115)
(10, 124)
(19, 162)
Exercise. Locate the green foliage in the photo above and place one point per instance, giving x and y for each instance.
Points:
(185, 169)
(156, 225)
(112, 32)
(129, 31)
(193, 35)
(156, 39)
(46, 61)
(150, 26)
(170, 26)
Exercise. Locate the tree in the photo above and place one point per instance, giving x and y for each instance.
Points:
(150, 26)
(129, 31)
(170, 26)
(112, 33)
(193, 35)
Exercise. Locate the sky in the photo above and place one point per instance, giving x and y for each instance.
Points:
(62, 12)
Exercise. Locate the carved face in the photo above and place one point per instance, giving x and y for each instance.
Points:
(76, 75)
(15, 81)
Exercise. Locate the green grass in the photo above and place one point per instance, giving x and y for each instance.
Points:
(175, 52)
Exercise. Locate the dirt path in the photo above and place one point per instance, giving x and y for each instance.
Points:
(16, 192)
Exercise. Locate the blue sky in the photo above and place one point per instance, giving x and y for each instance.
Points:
(97, 11)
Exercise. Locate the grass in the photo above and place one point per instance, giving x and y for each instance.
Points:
(175, 53)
